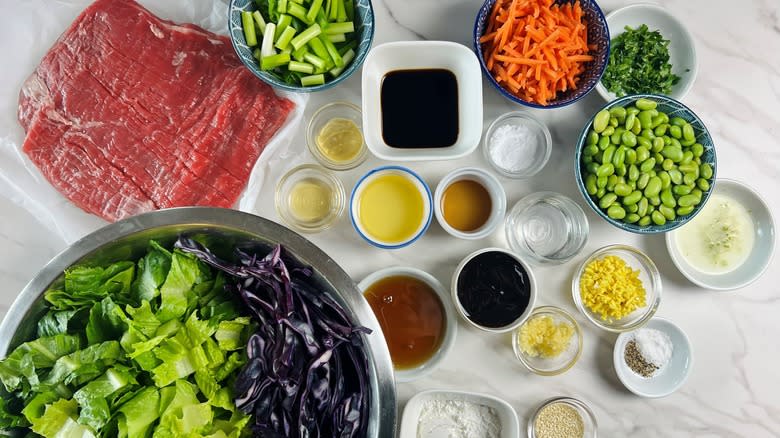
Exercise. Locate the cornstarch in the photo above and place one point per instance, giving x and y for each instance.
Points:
(512, 146)
(440, 418)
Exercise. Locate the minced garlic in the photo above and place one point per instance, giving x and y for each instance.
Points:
(610, 287)
(542, 337)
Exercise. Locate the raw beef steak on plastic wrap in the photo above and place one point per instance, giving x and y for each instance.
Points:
(128, 113)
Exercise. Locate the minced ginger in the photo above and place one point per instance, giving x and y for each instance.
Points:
(542, 337)
(611, 288)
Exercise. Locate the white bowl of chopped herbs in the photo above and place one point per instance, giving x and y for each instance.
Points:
(651, 52)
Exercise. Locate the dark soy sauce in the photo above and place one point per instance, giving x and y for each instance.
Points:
(494, 289)
(420, 108)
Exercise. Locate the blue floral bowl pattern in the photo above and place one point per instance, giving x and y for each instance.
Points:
(598, 34)
(672, 108)
(364, 26)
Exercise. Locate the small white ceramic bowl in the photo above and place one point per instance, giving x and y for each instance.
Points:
(494, 189)
(412, 55)
(763, 249)
(666, 380)
(520, 318)
(451, 320)
(510, 426)
(682, 49)
(422, 187)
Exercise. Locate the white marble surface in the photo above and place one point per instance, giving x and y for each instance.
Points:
(734, 390)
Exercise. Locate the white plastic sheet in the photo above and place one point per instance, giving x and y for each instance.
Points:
(28, 29)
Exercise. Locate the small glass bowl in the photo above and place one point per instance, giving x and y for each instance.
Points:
(539, 153)
(648, 275)
(322, 116)
(555, 365)
(589, 423)
(531, 224)
(310, 172)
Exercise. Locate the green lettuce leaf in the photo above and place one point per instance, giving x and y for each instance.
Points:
(232, 335)
(142, 318)
(107, 322)
(26, 360)
(152, 270)
(176, 293)
(84, 285)
(84, 365)
(138, 413)
(94, 397)
(59, 421)
(57, 323)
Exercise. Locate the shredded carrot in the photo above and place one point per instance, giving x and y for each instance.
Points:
(536, 48)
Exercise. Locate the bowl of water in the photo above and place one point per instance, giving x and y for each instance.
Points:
(546, 227)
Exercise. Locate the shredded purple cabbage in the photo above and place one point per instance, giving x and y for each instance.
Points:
(307, 372)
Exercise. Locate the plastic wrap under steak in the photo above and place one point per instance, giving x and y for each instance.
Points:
(129, 113)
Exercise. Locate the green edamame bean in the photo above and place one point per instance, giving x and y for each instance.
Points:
(592, 137)
(601, 181)
(658, 144)
(686, 143)
(672, 153)
(659, 159)
(642, 181)
(667, 164)
(632, 184)
(633, 173)
(666, 180)
(667, 198)
(684, 211)
(612, 181)
(622, 189)
(630, 156)
(645, 118)
(630, 120)
(590, 150)
(609, 130)
(681, 190)
(631, 218)
(667, 212)
(605, 169)
(698, 194)
(637, 128)
(603, 143)
(687, 132)
(619, 113)
(687, 157)
(590, 185)
(650, 209)
(676, 176)
(592, 167)
(697, 160)
(655, 201)
(601, 120)
(632, 198)
(602, 191)
(587, 159)
(678, 121)
(642, 207)
(646, 133)
(615, 137)
(703, 184)
(632, 110)
(689, 179)
(659, 120)
(616, 212)
(653, 187)
(667, 140)
(645, 142)
(674, 142)
(645, 104)
(628, 139)
(660, 130)
(621, 170)
(642, 154)
(687, 200)
(675, 131)
(705, 171)
(645, 221)
(658, 218)
(608, 153)
(697, 149)
(647, 165)
(613, 123)
(688, 168)
(607, 200)
(633, 208)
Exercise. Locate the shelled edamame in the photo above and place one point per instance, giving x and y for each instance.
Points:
(643, 167)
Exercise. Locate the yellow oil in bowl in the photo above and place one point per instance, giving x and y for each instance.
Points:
(391, 208)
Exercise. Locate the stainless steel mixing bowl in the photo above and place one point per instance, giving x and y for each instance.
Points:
(223, 230)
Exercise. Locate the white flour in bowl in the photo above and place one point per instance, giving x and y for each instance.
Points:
(441, 418)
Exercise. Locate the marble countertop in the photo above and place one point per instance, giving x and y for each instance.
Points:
(734, 389)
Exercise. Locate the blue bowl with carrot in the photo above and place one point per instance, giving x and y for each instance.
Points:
(551, 54)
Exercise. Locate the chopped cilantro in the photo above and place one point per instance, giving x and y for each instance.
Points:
(639, 63)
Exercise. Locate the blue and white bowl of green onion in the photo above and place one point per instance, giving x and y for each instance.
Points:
(301, 45)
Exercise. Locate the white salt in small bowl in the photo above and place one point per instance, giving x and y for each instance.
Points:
(507, 417)
(517, 145)
(667, 379)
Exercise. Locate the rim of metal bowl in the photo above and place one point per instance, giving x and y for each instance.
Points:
(478, 49)
(220, 219)
(634, 228)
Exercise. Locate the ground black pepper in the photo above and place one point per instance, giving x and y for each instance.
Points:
(637, 362)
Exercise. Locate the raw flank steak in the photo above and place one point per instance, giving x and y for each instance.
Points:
(128, 113)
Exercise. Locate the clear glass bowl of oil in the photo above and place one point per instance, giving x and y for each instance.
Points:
(309, 198)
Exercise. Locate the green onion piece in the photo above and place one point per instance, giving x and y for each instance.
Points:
(273, 61)
(259, 21)
(315, 7)
(249, 28)
(349, 8)
(298, 53)
(285, 38)
(308, 81)
(298, 12)
(314, 60)
(348, 57)
(281, 7)
(332, 51)
(267, 47)
(342, 12)
(346, 27)
(300, 2)
(284, 21)
(336, 38)
(350, 45)
(301, 67)
(326, 9)
(334, 10)
(319, 49)
(257, 55)
(306, 36)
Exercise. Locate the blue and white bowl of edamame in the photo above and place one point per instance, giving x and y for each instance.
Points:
(645, 163)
